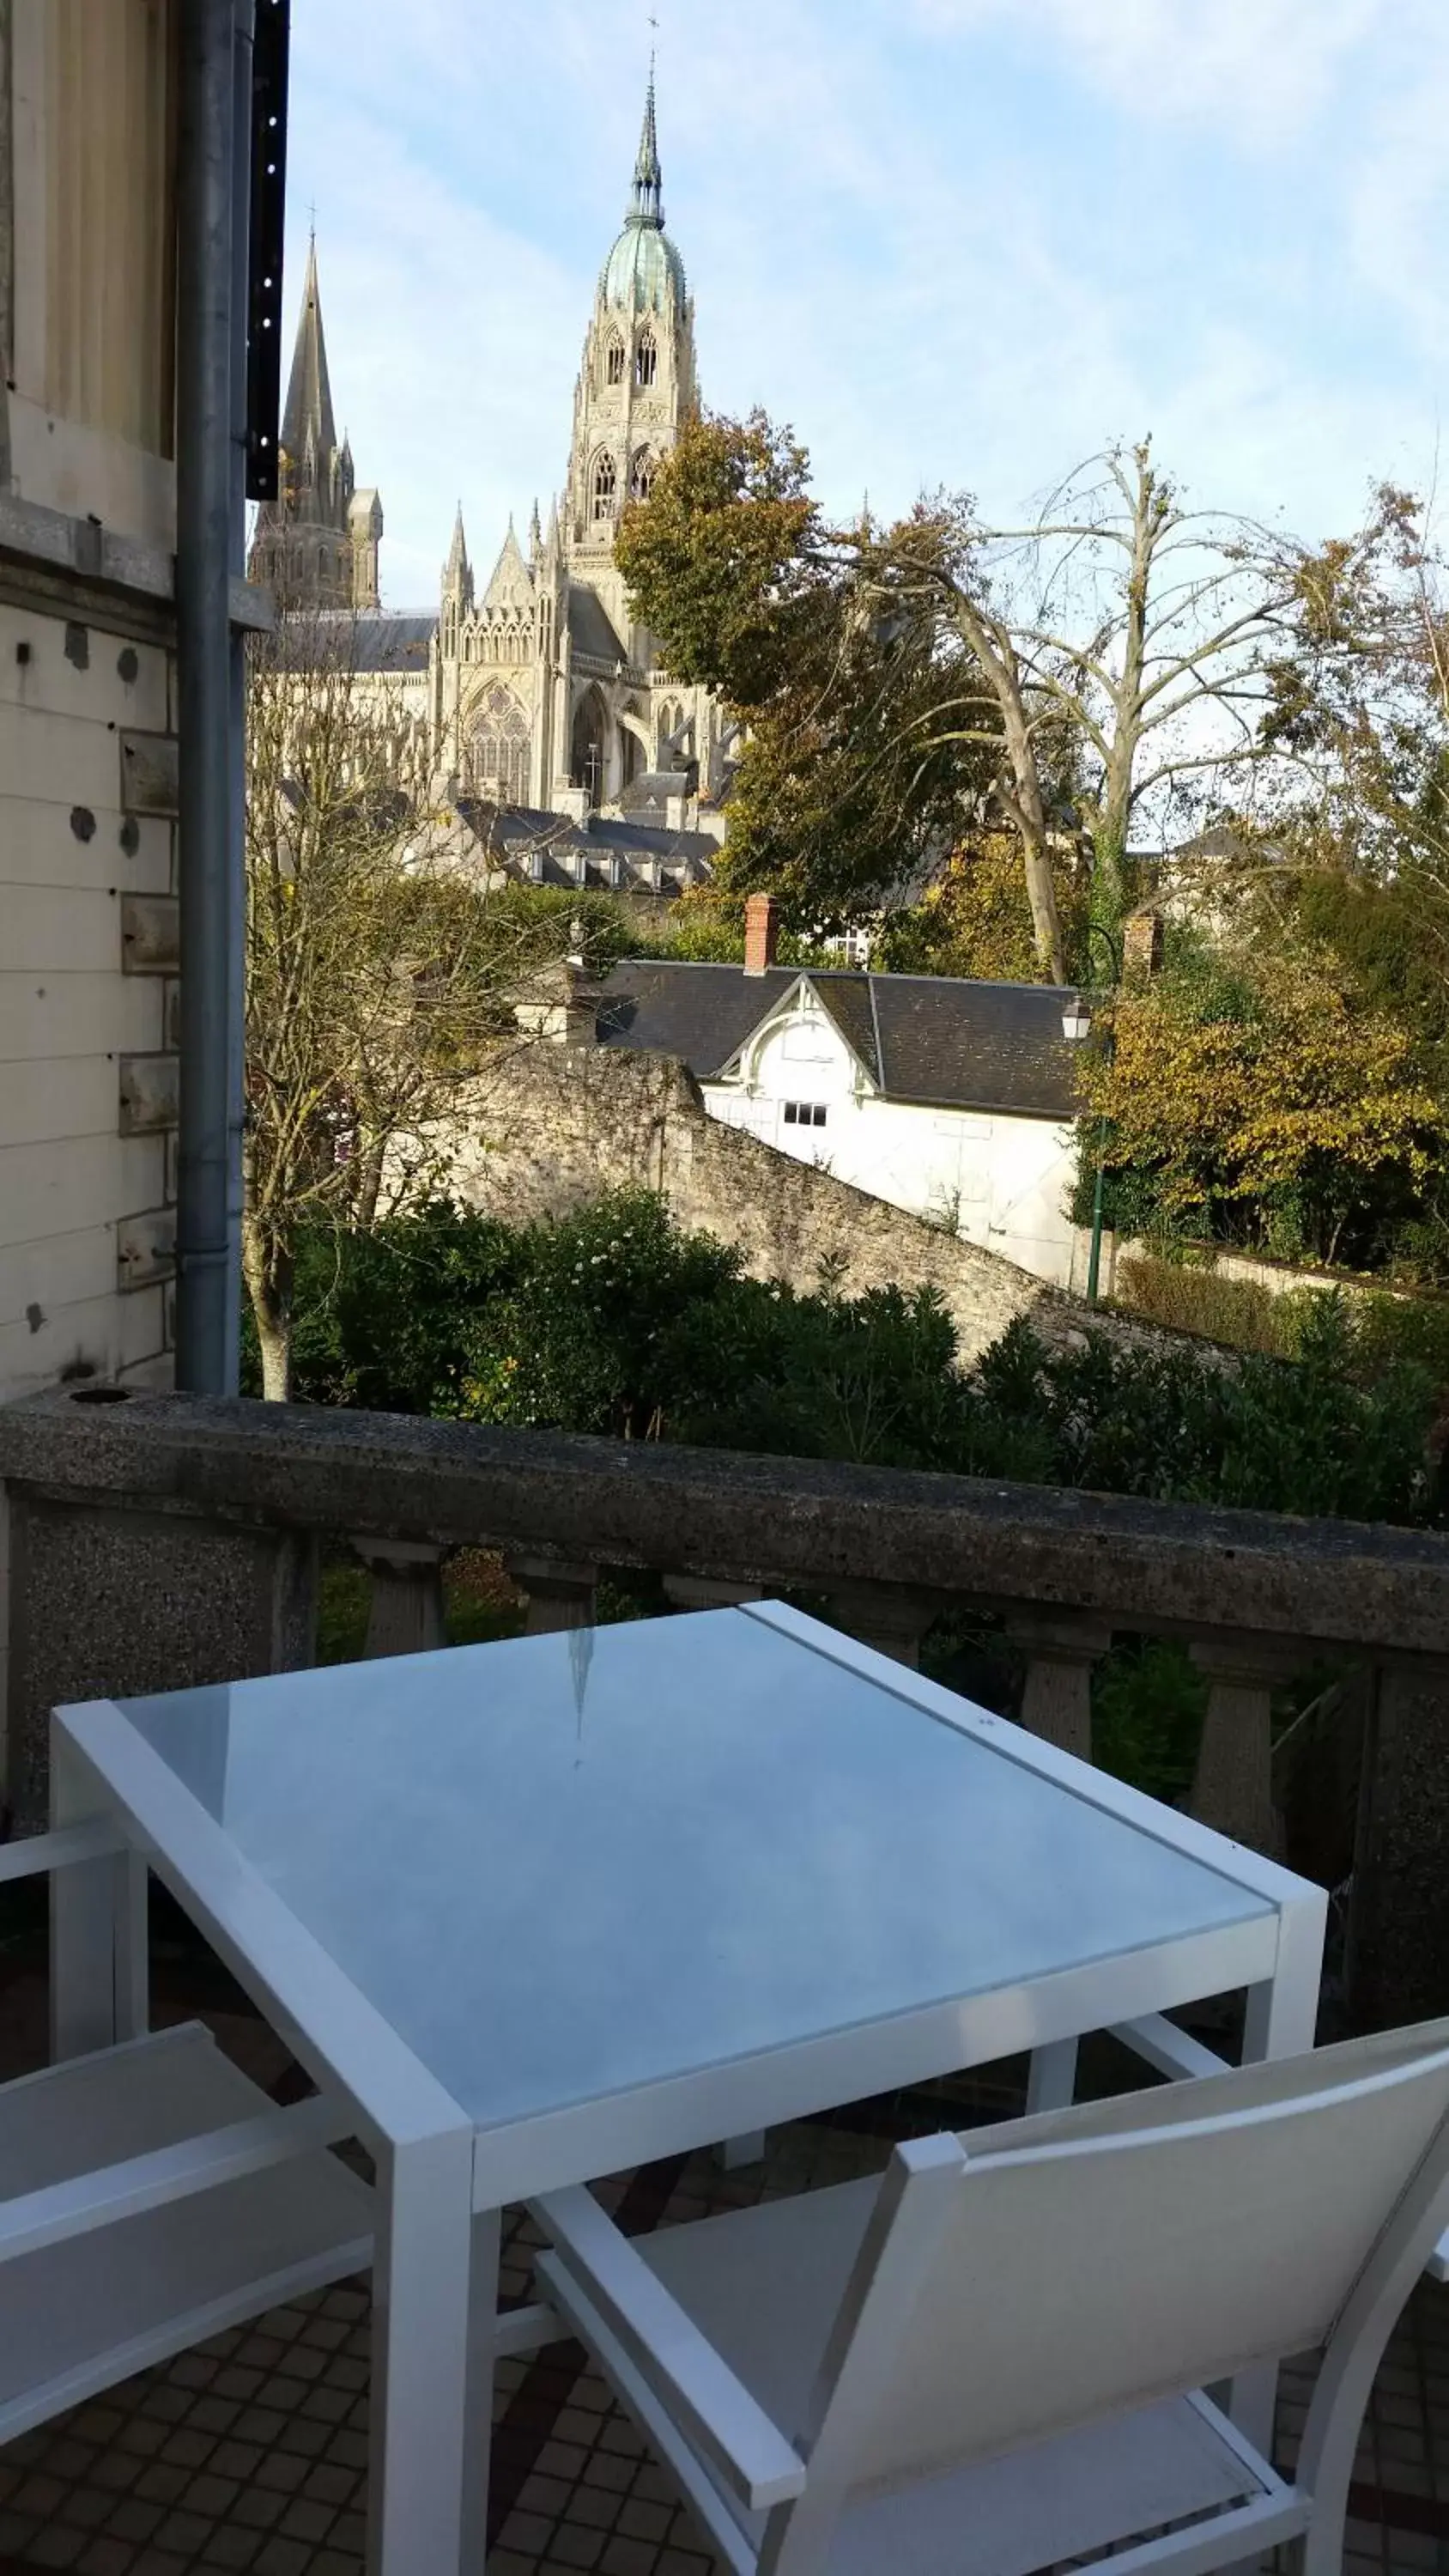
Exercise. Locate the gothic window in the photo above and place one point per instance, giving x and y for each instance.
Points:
(614, 363)
(646, 360)
(641, 481)
(589, 739)
(605, 486)
(497, 761)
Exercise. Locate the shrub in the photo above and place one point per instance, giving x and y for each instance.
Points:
(1190, 1297)
(387, 1318)
(613, 1320)
(1269, 1435)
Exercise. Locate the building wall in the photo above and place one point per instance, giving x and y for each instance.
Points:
(88, 913)
(1002, 1182)
(87, 963)
(91, 390)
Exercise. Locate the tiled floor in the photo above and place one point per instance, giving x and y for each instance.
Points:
(248, 2457)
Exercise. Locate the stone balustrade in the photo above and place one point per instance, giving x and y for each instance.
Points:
(155, 1541)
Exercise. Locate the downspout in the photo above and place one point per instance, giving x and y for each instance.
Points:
(242, 182)
(212, 179)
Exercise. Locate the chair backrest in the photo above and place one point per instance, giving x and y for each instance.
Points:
(1017, 2283)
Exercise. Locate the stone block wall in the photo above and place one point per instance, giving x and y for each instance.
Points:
(554, 1125)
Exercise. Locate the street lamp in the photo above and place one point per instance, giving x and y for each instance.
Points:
(1076, 1025)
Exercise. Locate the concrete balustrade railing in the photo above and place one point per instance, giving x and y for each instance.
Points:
(155, 1541)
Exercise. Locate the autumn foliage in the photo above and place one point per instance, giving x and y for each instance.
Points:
(1271, 1089)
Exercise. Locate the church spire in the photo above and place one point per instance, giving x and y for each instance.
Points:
(646, 201)
(455, 570)
(308, 415)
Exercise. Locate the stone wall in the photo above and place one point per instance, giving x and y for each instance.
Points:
(554, 1125)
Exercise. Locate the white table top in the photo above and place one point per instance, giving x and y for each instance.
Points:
(567, 1868)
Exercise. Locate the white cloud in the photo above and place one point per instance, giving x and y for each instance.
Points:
(962, 244)
(1259, 69)
(1398, 204)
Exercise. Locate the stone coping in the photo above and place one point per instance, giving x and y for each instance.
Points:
(759, 1521)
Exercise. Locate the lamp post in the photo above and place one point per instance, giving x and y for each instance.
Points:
(1076, 1024)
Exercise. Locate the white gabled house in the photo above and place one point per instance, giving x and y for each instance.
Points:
(953, 1099)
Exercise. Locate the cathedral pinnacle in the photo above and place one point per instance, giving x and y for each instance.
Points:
(308, 419)
(457, 578)
(646, 203)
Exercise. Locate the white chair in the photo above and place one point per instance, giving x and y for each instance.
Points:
(995, 2358)
(150, 2195)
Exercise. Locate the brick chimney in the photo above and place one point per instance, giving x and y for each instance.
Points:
(1141, 946)
(762, 933)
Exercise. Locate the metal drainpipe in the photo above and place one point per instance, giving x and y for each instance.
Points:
(236, 988)
(211, 212)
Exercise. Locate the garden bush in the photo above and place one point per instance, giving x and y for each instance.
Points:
(615, 1321)
(1191, 1297)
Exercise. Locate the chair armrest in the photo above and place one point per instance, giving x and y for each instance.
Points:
(96, 1839)
(64, 2209)
(1169, 2049)
(729, 2426)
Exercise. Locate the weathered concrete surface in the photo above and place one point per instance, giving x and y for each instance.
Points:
(760, 1521)
(106, 1601)
(1397, 1968)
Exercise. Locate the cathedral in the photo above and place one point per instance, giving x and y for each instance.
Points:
(535, 690)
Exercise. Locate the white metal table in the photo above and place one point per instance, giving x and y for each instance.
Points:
(554, 1907)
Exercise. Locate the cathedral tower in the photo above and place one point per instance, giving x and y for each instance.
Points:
(637, 381)
(542, 690)
(317, 542)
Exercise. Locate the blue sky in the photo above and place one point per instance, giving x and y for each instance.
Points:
(959, 242)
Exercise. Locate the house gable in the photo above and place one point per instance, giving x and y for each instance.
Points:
(800, 1030)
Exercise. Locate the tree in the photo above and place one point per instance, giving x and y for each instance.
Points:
(974, 918)
(729, 559)
(1267, 1098)
(907, 684)
(377, 978)
(1357, 864)
(1149, 630)
(852, 780)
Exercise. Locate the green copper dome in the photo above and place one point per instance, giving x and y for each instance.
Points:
(644, 265)
(642, 270)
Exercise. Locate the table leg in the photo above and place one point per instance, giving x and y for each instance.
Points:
(1051, 2083)
(98, 1943)
(747, 2149)
(478, 2401)
(1281, 2021)
(417, 2458)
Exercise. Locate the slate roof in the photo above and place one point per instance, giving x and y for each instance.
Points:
(934, 1039)
(590, 627)
(383, 641)
(616, 854)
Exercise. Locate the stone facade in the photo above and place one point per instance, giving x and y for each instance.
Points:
(544, 690)
(316, 545)
(537, 690)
